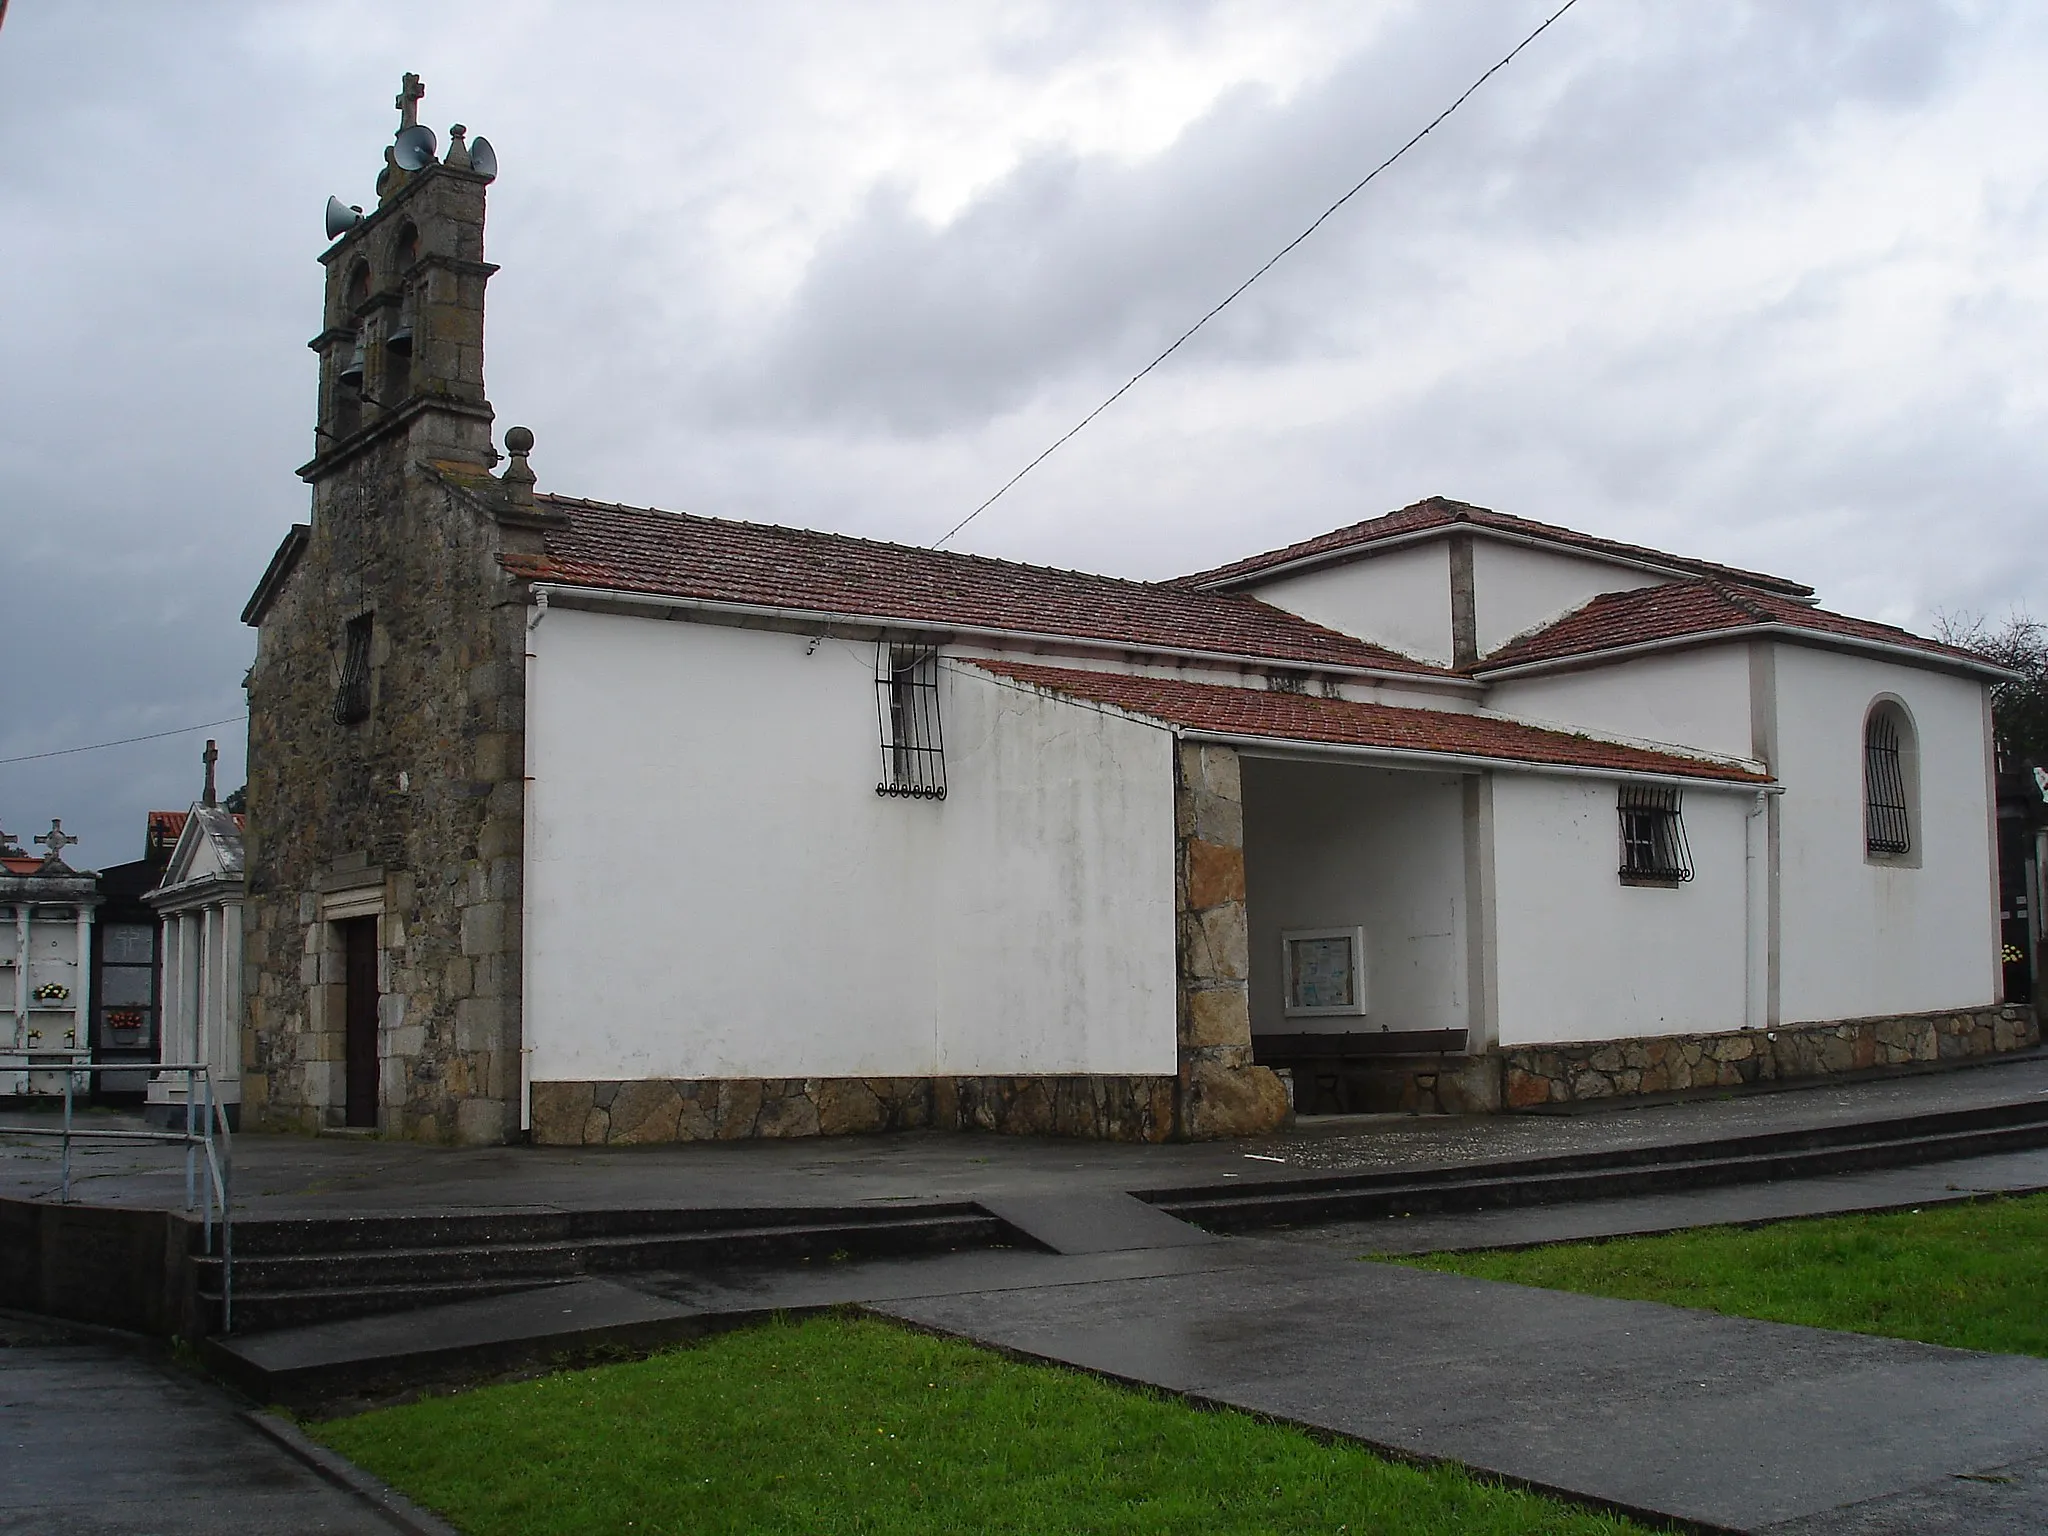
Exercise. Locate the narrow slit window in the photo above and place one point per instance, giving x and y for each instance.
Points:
(1887, 814)
(352, 697)
(1653, 846)
(907, 697)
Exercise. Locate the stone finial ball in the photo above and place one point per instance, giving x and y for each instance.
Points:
(518, 440)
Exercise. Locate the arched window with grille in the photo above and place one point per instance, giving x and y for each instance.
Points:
(1891, 781)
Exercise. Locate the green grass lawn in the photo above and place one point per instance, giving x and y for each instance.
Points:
(850, 1425)
(1973, 1276)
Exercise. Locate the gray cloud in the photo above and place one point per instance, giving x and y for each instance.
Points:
(1755, 281)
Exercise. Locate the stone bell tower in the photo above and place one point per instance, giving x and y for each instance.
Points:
(386, 704)
(402, 346)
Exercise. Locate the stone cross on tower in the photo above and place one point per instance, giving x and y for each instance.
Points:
(56, 840)
(209, 757)
(409, 93)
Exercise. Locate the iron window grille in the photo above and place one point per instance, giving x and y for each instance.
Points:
(907, 700)
(1653, 846)
(1887, 822)
(352, 697)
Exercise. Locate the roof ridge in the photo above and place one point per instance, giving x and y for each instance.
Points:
(1730, 593)
(1448, 512)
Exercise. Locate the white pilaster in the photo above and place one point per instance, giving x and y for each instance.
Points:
(231, 993)
(81, 995)
(21, 984)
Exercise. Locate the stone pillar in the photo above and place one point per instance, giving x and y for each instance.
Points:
(1221, 1092)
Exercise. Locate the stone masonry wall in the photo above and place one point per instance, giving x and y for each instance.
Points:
(421, 806)
(662, 1109)
(415, 814)
(1560, 1074)
(1222, 1092)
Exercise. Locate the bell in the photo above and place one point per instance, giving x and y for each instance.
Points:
(352, 370)
(399, 337)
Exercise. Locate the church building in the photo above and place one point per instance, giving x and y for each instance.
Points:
(593, 824)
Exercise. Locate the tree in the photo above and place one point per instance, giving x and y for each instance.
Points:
(2019, 705)
(237, 801)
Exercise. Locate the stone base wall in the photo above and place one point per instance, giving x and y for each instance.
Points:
(1530, 1077)
(1564, 1074)
(735, 1109)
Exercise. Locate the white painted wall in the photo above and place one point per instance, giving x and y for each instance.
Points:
(714, 889)
(1515, 588)
(1400, 599)
(1694, 698)
(1333, 845)
(1579, 955)
(1859, 938)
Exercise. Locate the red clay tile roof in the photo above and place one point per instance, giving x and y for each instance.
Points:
(1685, 608)
(1305, 717)
(1439, 512)
(166, 826)
(627, 549)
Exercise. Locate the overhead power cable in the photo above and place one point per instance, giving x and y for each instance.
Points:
(1502, 63)
(183, 730)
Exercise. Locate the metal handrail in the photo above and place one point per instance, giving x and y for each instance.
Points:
(213, 1138)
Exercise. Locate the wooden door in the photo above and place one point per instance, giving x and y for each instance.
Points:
(359, 975)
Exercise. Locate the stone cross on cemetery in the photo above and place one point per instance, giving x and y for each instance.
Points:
(409, 93)
(209, 757)
(56, 840)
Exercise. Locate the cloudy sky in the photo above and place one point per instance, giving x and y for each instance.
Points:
(1762, 283)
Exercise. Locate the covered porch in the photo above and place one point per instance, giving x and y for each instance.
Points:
(1366, 924)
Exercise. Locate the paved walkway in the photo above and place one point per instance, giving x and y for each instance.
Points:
(1721, 1422)
(97, 1439)
(282, 1175)
(1724, 1423)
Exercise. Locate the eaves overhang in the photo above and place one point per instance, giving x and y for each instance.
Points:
(277, 573)
(625, 601)
(1749, 780)
(1796, 634)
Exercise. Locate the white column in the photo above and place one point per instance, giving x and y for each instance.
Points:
(231, 993)
(81, 995)
(187, 990)
(202, 1000)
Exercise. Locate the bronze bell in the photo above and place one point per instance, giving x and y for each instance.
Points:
(399, 337)
(352, 370)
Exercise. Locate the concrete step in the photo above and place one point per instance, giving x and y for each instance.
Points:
(1607, 1175)
(260, 1311)
(273, 1270)
(340, 1234)
(275, 1287)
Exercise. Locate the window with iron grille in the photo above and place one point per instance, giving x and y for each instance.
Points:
(907, 698)
(1653, 846)
(1887, 812)
(352, 698)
